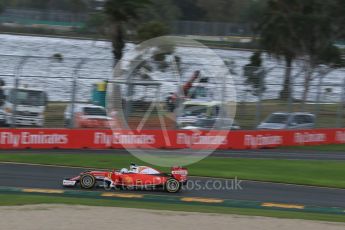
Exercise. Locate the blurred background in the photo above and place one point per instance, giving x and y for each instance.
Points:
(286, 59)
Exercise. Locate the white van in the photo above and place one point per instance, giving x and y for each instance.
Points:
(195, 109)
(29, 109)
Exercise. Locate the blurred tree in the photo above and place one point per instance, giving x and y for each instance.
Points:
(151, 30)
(77, 6)
(120, 12)
(338, 16)
(2, 7)
(232, 10)
(306, 29)
(163, 11)
(190, 10)
(245, 11)
(255, 74)
(219, 10)
(252, 11)
(39, 4)
(67, 5)
(277, 40)
(96, 23)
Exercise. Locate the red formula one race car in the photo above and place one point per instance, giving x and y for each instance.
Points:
(135, 177)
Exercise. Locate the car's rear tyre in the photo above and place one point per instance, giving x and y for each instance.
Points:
(87, 181)
(172, 185)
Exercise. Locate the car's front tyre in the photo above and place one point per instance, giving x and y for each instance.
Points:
(87, 181)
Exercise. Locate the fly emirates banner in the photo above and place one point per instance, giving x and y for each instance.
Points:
(171, 139)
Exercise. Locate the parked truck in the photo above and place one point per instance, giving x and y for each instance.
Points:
(23, 106)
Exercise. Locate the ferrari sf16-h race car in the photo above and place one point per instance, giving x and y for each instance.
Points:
(134, 178)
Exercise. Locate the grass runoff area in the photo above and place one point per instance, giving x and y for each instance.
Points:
(304, 172)
(322, 148)
(10, 200)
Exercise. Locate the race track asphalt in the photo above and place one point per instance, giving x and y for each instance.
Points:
(34, 176)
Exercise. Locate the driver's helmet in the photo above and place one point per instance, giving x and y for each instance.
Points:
(124, 170)
(133, 168)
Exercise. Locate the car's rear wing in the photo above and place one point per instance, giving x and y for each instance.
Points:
(179, 173)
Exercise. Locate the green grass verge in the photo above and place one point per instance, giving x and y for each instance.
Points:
(11, 200)
(325, 148)
(306, 172)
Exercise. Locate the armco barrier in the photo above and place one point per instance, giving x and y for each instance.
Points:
(172, 139)
(111, 195)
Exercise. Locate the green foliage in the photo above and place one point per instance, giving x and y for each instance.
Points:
(190, 10)
(253, 11)
(120, 12)
(218, 10)
(77, 6)
(230, 10)
(303, 28)
(331, 55)
(68, 5)
(151, 30)
(247, 11)
(96, 22)
(162, 11)
(124, 10)
(2, 7)
(255, 74)
(275, 35)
